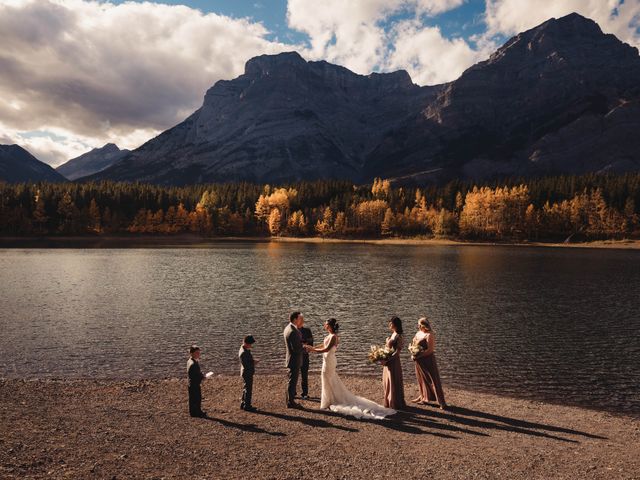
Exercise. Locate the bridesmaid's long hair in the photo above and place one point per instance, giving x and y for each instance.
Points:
(425, 323)
(397, 324)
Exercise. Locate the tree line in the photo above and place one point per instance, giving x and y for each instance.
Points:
(551, 208)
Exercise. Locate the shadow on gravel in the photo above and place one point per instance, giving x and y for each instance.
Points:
(245, 427)
(461, 416)
(403, 422)
(521, 423)
(311, 422)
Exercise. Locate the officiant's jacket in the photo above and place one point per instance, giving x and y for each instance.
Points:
(307, 337)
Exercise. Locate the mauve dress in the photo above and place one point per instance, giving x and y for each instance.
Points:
(429, 377)
(392, 376)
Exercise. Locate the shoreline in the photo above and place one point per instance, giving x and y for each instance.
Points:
(194, 241)
(140, 428)
(365, 377)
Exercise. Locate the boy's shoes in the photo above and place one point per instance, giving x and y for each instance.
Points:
(200, 415)
(249, 409)
(305, 397)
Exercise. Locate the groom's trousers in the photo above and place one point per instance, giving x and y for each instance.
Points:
(294, 373)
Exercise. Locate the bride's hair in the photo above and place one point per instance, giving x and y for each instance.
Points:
(333, 323)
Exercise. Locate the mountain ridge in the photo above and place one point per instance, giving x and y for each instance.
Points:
(91, 162)
(17, 165)
(553, 99)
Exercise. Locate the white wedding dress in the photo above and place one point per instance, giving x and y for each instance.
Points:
(337, 398)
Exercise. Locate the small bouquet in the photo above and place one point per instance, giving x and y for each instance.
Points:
(415, 349)
(380, 354)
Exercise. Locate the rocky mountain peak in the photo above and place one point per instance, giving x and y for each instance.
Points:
(91, 162)
(567, 37)
(267, 64)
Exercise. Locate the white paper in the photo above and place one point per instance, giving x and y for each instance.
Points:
(209, 375)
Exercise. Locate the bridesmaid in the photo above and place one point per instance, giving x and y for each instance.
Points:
(392, 371)
(426, 366)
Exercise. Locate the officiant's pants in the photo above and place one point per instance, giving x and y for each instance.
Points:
(304, 372)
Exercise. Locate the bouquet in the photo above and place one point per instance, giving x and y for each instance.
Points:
(415, 349)
(380, 354)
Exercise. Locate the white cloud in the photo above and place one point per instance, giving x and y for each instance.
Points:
(428, 56)
(49, 147)
(103, 72)
(508, 17)
(355, 34)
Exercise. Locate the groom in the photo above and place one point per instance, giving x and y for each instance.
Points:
(293, 344)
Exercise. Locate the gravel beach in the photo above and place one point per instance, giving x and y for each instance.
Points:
(141, 429)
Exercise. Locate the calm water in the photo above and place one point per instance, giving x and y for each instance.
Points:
(556, 324)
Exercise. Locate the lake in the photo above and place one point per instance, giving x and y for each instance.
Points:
(554, 324)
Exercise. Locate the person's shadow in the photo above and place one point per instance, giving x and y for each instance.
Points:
(245, 427)
(520, 423)
(489, 421)
(310, 422)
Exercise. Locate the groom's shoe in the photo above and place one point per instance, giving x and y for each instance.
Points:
(305, 397)
(293, 405)
(250, 409)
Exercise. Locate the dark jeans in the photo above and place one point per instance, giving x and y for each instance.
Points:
(294, 373)
(247, 390)
(304, 371)
(195, 401)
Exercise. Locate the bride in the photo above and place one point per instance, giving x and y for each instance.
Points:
(335, 395)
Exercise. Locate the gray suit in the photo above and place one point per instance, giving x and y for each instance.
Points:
(294, 348)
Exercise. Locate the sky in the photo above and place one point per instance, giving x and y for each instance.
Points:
(77, 74)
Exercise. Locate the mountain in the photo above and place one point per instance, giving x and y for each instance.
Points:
(91, 162)
(560, 98)
(17, 165)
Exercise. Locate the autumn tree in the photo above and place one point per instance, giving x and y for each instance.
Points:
(40, 217)
(68, 215)
(275, 222)
(386, 228)
(381, 188)
(95, 219)
(324, 226)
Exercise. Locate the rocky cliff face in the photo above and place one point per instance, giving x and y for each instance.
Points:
(285, 118)
(562, 97)
(17, 165)
(92, 162)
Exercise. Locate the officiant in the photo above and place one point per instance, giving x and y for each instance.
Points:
(307, 339)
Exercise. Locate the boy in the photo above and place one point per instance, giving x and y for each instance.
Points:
(247, 369)
(195, 379)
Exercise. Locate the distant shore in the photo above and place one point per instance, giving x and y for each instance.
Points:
(186, 240)
(141, 429)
